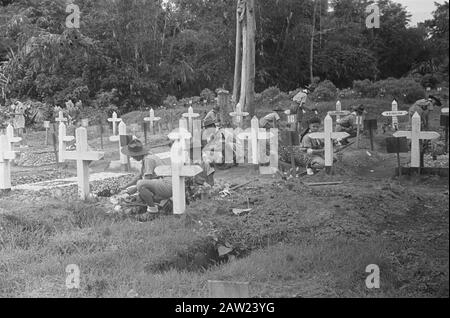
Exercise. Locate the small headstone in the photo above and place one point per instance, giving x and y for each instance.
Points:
(221, 289)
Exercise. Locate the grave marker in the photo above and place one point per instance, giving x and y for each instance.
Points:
(338, 109)
(123, 141)
(152, 119)
(416, 135)
(10, 135)
(114, 120)
(83, 158)
(397, 145)
(221, 289)
(328, 136)
(445, 124)
(61, 118)
(178, 171)
(394, 114)
(239, 115)
(190, 115)
(46, 126)
(185, 142)
(6, 156)
(63, 139)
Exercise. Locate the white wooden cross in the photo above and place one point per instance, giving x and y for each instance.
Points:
(83, 157)
(185, 142)
(10, 135)
(114, 120)
(415, 135)
(190, 115)
(239, 114)
(134, 130)
(328, 136)
(62, 140)
(257, 141)
(124, 159)
(178, 171)
(60, 117)
(152, 119)
(338, 109)
(6, 155)
(395, 114)
(395, 118)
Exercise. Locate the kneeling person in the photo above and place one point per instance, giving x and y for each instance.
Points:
(314, 147)
(152, 189)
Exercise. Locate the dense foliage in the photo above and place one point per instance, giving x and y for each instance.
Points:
(133, 54)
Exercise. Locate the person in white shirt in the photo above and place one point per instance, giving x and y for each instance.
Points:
(300, 108)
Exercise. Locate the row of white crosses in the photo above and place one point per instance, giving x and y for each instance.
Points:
(415, 135)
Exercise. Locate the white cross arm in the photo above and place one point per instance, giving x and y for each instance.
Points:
(85, 156)
(185, 171)
(152, 119)
(7, 155)
(14, 139)
(428, 135)
(400, 134)
(335, 135)
(68, 138)
(339, 113)
(190, 115)
(395, 113)
(444, 110)
(236, 114)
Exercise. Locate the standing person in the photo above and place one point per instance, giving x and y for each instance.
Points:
(19, 117)
(299, 107)
(423, 108)
(271, 120)
(212, 118)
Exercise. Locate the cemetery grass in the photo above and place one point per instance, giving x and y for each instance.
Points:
(320, 251)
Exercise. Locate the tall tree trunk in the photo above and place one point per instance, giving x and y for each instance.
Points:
(244, 74)
(237, 61)
(311, 58)
(251, 43)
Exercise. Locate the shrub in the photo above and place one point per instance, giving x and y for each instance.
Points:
(270, 93)
(325, 91)
(170, 101)
(207, 95)
(429, 80)
(404, 89)
(365, 88)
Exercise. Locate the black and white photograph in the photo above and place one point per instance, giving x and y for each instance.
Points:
(241, 151)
